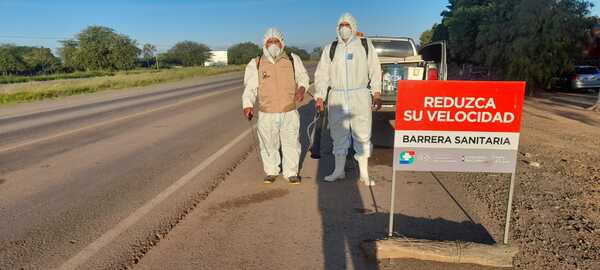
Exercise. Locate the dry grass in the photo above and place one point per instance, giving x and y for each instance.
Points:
(24, 92)
(52, 77)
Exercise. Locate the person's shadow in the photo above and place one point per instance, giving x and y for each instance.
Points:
(348, 219)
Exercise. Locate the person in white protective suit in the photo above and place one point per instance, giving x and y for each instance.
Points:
(349, 72)
(278, 81)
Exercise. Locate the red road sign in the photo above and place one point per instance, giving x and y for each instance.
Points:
(458, 126)
(466, 126)
(459, 106)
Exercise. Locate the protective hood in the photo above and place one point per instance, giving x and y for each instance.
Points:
(272, 33)
(347, 17)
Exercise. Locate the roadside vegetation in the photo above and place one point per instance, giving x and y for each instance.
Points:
(530, 40)
(242, 53)
(52, 77)
(95, 49)
(32, 91)
(99, 58)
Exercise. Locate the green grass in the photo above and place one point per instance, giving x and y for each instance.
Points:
(52, 77)
(32, 91)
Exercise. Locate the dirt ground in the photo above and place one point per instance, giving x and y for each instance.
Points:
(556, 218)
(244, 224)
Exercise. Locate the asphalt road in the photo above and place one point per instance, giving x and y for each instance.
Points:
(73, 170)
(94, 182)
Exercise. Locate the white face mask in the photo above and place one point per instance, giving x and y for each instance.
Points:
(274, 50)
(345, 32)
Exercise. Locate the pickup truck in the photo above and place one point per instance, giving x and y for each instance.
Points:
(402, 60)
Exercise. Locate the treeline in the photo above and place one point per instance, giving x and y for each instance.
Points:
(531, 40)
(242, 53)
(27, 60)
(99, 48)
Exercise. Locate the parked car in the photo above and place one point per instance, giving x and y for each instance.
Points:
(583, 78)
(400, 60)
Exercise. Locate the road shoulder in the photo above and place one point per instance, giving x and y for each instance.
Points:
(245, 224)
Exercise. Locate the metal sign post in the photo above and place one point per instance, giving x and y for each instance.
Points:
(509, 207)
(393, 199)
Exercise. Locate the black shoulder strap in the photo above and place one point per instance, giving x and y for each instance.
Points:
(258, 62)
(365, 45)
(292, 60)
(289, 56)
(293, 66)
(334, 44)
(332, 50)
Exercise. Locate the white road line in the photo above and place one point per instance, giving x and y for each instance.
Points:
(111, 234)
(12, 147)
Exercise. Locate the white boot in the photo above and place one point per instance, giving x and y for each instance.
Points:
(363, 167)
(338, 172)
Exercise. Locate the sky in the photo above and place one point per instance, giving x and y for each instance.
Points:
(217, 23)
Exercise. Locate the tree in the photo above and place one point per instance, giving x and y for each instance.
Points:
(440, 32)
(41, 60)
(462, 20)
(26, 60)
(95, 43)
(161, 60)
(550, 39)
(123, 53)
(427, 36)
(148, 52)
(69, 54)
(242, 53)
(315, 55)
(188, 53)
(10, 60)
(531, 40)
(303, 54)
(99, 48)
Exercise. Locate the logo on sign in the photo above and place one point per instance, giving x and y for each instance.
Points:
(407, 157)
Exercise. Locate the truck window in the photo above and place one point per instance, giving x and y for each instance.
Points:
(393, 48)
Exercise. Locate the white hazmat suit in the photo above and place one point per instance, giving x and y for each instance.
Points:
(349, 102)
(276, 129)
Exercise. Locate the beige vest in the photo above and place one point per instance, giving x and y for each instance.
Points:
(276, 85)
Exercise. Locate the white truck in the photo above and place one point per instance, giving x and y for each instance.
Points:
(402, 60)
